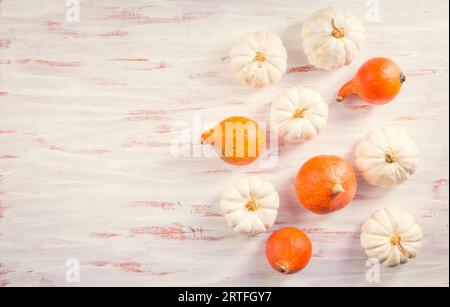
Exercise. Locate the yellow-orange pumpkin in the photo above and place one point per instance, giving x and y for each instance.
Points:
(238, 140)
(326, 184)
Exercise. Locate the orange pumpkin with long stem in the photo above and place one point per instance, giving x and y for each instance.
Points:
(377, 81)
(326, 184)
(288, 250)
(238, 140)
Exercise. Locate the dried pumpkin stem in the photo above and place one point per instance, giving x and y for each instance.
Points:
(282, 268)
(402, 78)
(251, 204)
(337, 189)
(389, 158)
(260, 57)
(337, 32)
(396, 241)
(300, 113)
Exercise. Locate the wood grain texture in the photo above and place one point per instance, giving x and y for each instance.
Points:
(86, 117)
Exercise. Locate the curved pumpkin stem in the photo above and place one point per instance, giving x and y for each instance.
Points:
(337, 32)
(346, 90)
(338, 189)
(207, 137)
(397, 241)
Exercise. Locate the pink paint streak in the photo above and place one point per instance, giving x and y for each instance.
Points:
(437, 185)
(2, 211)
(49, 146)
(207, 75)
(132, 267)
(304, 68)
(137, 18)
(429, 213)
(3, 94)
(158, 67)
(141, 115)
(99, 263)
(163, 273)
(319, 254)
(71, 34)
(4, 283)
(115, 34)
(53, 25)
(262, 171)
(5, 272)
(9, 157)
(2, 62)
(163, 129)
(7, 132)
(322, 231)
(104, 235)
(5, 43)
(147, 112)
(364, 107)
(145, 144)
(176, 231)
(49, 63)
(205, 211)
(130, 60)
(157, 204)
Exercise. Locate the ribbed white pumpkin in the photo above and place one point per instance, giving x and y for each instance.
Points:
(391, 236)
(250, 205)
(259, 59)
(332, 38)
(299, 114)
(387, 156)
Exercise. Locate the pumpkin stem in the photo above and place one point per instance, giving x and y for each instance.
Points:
(337, 32)
(389, 158)
(337, 189)
(346, 90)
(402, 78)
(282, 268)
(260, 57)
(396, 241)
(300, 113)
(251, 204)
(207, 137)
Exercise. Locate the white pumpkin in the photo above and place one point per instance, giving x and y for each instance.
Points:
(299, 114)
(250, 205)
(387, 156)
(259, 59)
(332, 38)
(391, 236)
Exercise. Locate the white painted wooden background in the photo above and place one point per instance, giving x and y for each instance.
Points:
(86, 111)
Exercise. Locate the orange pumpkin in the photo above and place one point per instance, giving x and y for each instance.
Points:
(377, 82)
(237, 140)
(288, 250)
(326, 184)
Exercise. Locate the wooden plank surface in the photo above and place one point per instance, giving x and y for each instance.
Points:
(87, 112)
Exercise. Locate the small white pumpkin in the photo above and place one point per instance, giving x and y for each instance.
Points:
(391, 236)
(259, 59)
(386, 156)
(332, 38)
(299, 114)
(250, 205)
